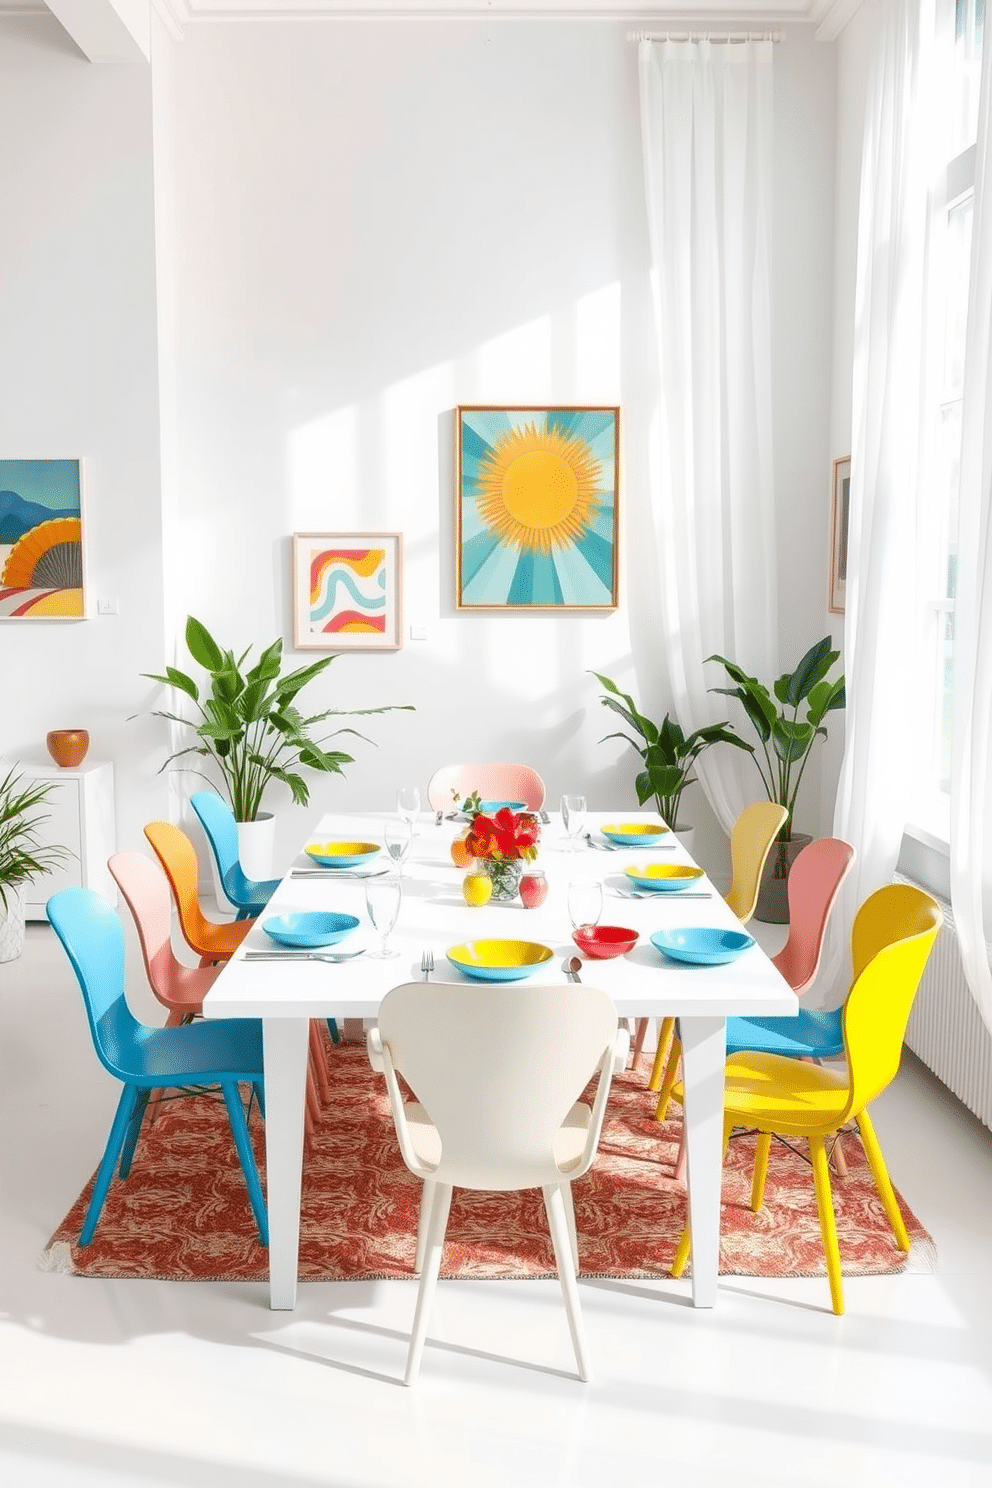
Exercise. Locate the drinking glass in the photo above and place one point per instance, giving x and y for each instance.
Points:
(573, 815)
(585, 901)
(408, 803)
(382, 900)
(398, 837)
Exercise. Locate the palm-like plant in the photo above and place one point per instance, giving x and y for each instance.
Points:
(23, 855)
(248, 722)
(667, 752)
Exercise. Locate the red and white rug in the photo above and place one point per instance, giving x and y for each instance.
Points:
(183, 1212)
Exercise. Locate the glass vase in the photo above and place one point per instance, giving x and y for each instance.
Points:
(504, 875)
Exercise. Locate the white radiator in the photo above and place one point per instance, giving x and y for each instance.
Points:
(947, 1031)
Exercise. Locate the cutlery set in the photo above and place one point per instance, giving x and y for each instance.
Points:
(303, 955)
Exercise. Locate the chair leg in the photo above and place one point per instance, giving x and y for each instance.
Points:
(682, 1249)
(639, 1037)
(332, 1029)
(427, 1197)
(837, 1157)
(318, 1058)
(665, 1032)
(882, 1181)
(242, 1141)
(828, 1224)
(573, 1234)
(133, 1131)
(554, 1203)
(105, 1172)
(671, 1074)
(761, 1151)
(433, 1249)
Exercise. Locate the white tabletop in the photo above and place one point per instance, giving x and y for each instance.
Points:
(435, 916)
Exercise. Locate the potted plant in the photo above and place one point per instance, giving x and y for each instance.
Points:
(248, 724)
(786, 740)
(667, 753)
(23, 855)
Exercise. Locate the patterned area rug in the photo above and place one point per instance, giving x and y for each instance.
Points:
(183, 1212)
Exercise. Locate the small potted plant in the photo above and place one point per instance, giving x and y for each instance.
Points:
(786, 741)
(668, 754)
(24, 857)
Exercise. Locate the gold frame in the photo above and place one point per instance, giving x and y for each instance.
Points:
(839, 521)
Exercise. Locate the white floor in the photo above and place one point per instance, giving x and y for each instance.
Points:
(127, 1383)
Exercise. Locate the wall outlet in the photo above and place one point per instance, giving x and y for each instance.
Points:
(108, 607)
(418, 632)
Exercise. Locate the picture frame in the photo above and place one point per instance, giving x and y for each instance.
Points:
(840, 516)
(347, 591)
(537, 507)
(42, 540)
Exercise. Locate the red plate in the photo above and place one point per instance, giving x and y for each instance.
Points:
(604, 941)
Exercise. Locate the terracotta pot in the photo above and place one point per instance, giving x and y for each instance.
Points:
(773, 896)
(68, 746)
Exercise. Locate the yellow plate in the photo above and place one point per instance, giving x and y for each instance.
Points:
(634, 834)
(665, 877)
(499, 960)
(341, 854)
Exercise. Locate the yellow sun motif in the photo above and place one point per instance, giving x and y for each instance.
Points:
(538, 491)
(48, 556)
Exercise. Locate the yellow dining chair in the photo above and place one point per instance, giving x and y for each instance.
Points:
(751, 839)
(892, 937)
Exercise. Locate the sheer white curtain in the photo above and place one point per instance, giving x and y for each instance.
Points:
(881, 619)
(971, 760)
(706, 127)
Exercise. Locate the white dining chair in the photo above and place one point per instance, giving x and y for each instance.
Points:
(509, 1122)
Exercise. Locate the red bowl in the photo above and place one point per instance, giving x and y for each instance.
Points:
(604, 941)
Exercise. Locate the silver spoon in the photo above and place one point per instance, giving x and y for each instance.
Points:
(571, 966)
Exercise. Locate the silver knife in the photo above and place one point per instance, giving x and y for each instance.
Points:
(330, 874)
(302, 955)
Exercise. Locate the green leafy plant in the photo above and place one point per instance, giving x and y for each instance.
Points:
(667, 753)
(248, 723)
(785, 738)
(23, 856)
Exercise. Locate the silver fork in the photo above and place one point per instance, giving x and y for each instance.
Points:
(427, 964)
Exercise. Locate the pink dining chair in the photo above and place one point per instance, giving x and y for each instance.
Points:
(181, 989)
(504, 782)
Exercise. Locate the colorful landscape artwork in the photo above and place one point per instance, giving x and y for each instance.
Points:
(346, 591)
(41, 540)
(537, 508)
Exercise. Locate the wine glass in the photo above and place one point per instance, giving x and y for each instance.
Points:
(408, 803)
(382, 900)
(573, 815)
(398, 837)
(585, 901)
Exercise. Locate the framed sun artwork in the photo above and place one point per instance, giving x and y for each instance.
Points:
(41, 540)
(537, 508)
(346, 591)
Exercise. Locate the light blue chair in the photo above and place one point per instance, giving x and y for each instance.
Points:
(249, 896)
(224, 1053)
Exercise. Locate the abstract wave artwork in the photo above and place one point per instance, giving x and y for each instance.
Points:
(41, 540)
(537, 508)
(346, 591)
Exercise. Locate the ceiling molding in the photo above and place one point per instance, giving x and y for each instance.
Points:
(831, 16)
(694, 12)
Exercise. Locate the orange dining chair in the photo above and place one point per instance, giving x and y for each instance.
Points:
(212, 940)
(503, 782)
(751, 839)
(891, 940)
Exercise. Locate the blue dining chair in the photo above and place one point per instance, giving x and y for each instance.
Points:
(249, 896)
(202, 1054)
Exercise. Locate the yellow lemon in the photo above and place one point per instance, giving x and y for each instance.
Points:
(477, 888)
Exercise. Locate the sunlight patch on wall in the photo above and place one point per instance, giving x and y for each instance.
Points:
(597, 345)
(324, 474)
(516, 367)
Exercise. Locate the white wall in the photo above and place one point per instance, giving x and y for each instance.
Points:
(360, 227)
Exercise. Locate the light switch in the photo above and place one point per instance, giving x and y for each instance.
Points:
(418, 632)
(107, 607)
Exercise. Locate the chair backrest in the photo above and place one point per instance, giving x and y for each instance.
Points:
(814, 883)
(497, 1069)
(879, 1003)
(148, 896)
(217, 820)
(751, 838)
(93, 938)
(506, 782)
(177, 855)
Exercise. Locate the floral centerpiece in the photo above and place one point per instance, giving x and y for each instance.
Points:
(502, 844)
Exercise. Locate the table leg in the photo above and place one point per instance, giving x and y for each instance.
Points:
(284, 1047)
(704, 1054)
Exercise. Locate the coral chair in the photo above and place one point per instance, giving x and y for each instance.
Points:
(248, 896)
(210, 939)
(893, 935)
(523, 1126)
(146, 892)
(225, 1053)
(505, 782)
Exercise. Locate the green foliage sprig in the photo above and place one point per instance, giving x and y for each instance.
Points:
(23, 856)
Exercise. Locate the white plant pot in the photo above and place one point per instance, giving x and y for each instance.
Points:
(686, 836)
(12, 925)
(256, 845)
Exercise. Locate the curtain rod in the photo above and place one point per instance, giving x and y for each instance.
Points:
(722, 36)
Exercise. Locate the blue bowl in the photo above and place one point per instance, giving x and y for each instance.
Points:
(307, 931)
(701, 945)
(635, 834)
(499, 960)
(489, 808)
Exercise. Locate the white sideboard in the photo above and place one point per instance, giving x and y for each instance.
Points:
(80, 817)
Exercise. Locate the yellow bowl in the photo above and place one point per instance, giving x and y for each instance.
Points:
(341, 854)
(634, 834)
(499, 960)
(665, 877)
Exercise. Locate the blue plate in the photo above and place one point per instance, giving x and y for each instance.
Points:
(489, 808)
(635, 834)
(665, 878)
(499, 960)
(701, 945)
(307, 931)
(341, 854)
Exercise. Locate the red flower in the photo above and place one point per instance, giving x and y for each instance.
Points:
(508, 834)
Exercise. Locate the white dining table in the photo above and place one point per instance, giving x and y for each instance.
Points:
(433, 916)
